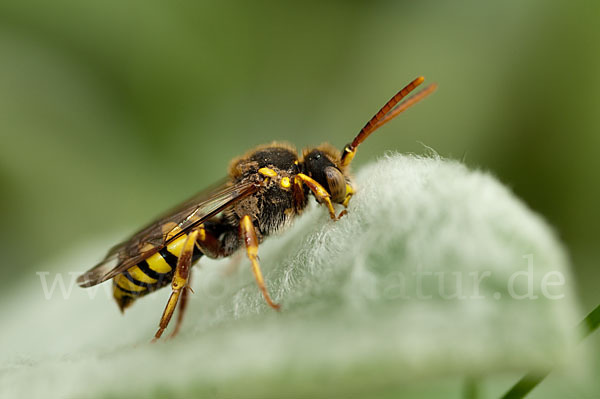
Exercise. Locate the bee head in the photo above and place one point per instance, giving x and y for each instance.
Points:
(323, 164)
(329, 167)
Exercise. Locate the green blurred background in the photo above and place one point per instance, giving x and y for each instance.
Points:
(114, 111)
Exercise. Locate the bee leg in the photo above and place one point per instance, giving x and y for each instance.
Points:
(349, 194)
(248, 234)
(320, 194)
(209, 245)
(185, 294)
(179, 282)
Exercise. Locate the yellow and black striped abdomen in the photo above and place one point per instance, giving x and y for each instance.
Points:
(151, 274)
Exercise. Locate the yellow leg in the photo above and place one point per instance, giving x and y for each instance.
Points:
(320, 194)
(179, 282)
(183, 299)
(248, 234)
(349, 194)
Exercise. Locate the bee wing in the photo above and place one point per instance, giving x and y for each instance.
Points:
(155, 236)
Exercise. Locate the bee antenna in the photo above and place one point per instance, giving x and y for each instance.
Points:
(389, 111)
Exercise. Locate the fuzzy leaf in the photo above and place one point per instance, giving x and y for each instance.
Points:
(422, 281)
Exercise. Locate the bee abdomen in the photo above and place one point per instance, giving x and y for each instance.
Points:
(149, 275)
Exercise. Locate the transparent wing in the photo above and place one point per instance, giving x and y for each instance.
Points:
(165, 229)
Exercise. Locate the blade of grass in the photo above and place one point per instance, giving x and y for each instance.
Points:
(471, 389)
(526, 384)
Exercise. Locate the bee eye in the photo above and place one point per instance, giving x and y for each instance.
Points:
(337, 184)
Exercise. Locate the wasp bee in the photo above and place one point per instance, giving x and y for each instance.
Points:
(265, 189)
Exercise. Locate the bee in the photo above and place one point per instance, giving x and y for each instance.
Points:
(264, 190)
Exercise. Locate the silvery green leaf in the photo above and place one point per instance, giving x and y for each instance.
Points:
(437, 274)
